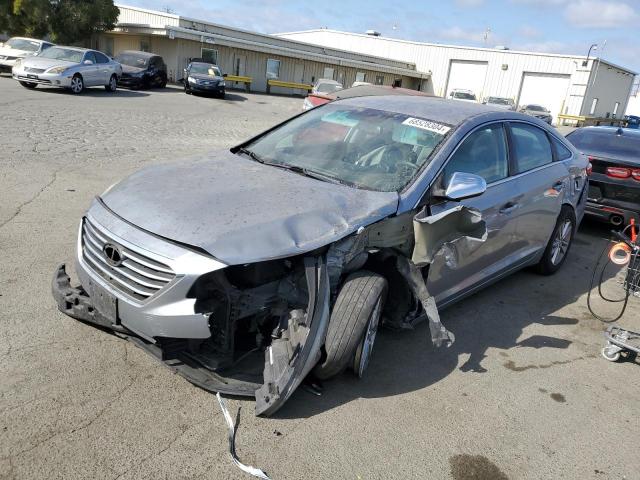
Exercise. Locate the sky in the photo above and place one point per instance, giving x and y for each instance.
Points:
(551, 26)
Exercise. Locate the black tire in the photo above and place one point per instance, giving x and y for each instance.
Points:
(29, 85)
(550, 264)
(186, 88)
(112, 86)
(352, 311)
(163, 81)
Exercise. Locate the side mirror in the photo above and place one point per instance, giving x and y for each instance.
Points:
(87, 62)
(464, 185)
(224, 75)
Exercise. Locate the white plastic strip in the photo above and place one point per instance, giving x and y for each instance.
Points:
(427, 125)
(256, 472)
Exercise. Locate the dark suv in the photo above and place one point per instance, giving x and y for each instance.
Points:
(141, 70)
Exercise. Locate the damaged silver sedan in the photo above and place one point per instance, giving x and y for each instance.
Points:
(252, 268)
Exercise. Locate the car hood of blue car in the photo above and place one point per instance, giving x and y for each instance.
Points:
(241, 211)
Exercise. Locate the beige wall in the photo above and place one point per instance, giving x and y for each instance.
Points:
(176, 54)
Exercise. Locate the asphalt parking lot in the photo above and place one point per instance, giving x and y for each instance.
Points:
(522, 394)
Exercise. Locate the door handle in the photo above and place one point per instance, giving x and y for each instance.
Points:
(508, 208)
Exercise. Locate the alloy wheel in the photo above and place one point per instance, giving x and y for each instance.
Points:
(561, 242)
(77, 85)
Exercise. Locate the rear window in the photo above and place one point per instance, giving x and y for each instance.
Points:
(624, 145)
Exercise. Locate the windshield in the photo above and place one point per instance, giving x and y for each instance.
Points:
(201, 69)
(361, 147)
(328, 87)
(499, 101)
(464, 96)
(66, 54)
(536, 108)
(606, 141)
(22, 44)
(132, 60)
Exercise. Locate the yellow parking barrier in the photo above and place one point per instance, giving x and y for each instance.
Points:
(240, 79)
(294, 85)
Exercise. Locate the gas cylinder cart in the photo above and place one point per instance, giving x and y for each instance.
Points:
(626, 254)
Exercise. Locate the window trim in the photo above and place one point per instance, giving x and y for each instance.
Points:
(515, 157)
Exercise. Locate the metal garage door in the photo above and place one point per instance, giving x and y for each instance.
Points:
(546, 89)
(468, 75)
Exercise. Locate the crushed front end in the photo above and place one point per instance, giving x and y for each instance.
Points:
(212, 323)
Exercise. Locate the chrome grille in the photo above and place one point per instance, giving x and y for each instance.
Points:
(137, 275)
(34, 70)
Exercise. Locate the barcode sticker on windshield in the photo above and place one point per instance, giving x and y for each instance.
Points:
(427, 125)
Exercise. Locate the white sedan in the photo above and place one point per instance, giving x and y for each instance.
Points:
(68, 67)
(19, 47)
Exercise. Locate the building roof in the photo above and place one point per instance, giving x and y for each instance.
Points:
(155, 22)
(462, 47)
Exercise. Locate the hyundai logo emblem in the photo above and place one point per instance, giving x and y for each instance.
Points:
(112, 254)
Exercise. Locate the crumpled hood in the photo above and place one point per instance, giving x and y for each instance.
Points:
(241, 211)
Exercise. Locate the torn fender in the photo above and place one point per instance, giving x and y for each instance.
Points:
(291, 357)
(433, 232)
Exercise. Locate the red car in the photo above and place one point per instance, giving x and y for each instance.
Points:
(317, 99)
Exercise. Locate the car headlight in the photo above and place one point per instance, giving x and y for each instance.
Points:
(56, 70)
(17, 63)
(222, 84)
(192, 80)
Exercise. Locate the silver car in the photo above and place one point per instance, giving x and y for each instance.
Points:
(251, 268)
(537, 111)
(68, 67)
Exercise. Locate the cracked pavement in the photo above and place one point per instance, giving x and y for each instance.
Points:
(523, 393)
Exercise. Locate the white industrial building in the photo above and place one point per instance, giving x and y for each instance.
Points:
(567, 84)
(247, 54)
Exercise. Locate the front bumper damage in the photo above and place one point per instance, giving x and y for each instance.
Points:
(209, 318)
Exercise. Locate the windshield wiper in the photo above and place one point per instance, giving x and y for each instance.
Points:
(250, 154)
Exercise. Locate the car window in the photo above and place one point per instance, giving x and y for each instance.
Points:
(101, 58)
(90, 56)
(482, 153)
(562, 152)
(531, 147)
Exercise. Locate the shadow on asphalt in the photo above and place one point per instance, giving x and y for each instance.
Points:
(493, 318)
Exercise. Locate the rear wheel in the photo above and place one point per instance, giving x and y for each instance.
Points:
(29, 85)
(558, 247)
(353, 324)
(112, 85)
(77, 84)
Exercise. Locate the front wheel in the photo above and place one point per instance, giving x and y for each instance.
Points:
(29, 85)
(558, 247)
(353, 324)
(112, 85)
(77, 84)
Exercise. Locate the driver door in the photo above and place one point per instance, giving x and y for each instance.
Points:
(462, 265)
(89, 72)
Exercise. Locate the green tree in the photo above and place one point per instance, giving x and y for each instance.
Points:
(25, 17)
(74, 21)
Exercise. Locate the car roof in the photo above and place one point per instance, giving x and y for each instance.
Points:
(140, 53)
(328, 80)
(204, 63)
(630, 132)
(77, 49)
(374, 90)
(451, 112)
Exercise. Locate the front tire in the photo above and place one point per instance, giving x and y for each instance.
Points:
(29, 85)
(559, 244)
(77, 84)
(112, 85)
(353, 324)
